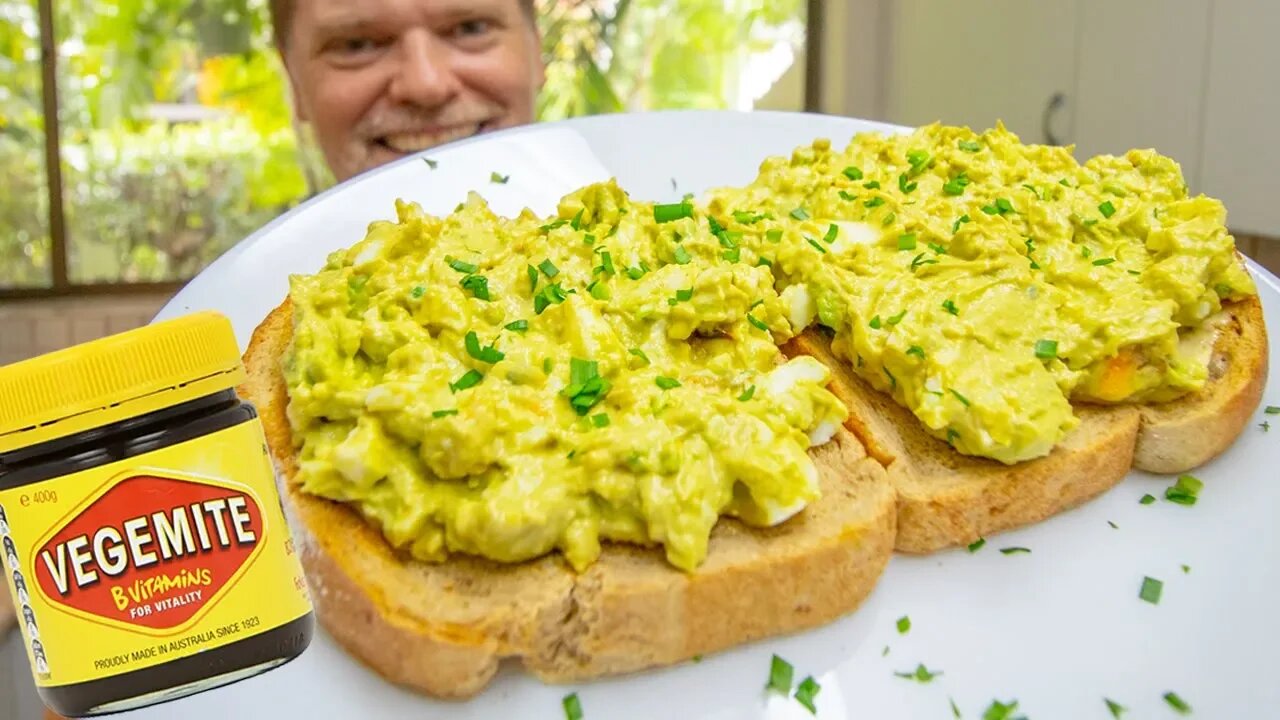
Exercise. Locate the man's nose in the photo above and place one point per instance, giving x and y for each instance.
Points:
(424, 76)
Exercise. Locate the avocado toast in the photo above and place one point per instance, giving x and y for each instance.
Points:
(599, 441)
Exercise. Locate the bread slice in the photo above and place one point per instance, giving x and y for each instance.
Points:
(8, 618)
(443, 628)
(1189, 432)
(947, 499)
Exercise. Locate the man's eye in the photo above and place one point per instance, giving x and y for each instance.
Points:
(473, 28)
(354, 46)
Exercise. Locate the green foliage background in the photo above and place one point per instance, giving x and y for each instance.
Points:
(148, 198)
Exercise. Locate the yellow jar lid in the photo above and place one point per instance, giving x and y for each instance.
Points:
(116, 378)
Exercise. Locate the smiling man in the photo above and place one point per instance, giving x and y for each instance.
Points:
(381, 79)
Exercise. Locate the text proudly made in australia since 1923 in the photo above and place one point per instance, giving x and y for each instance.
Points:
(151, 551)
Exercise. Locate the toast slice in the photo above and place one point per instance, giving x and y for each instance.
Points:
(947, 499)
(443, 628)
(8, 618)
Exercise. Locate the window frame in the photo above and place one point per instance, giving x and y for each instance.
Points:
(60, 284)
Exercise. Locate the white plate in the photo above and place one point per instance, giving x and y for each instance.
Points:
(1058, 630)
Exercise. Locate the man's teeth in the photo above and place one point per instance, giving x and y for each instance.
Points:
(413, 142)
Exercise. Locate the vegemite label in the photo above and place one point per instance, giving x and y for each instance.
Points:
(151, 559)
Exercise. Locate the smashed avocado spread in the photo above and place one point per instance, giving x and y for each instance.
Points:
(506, 387)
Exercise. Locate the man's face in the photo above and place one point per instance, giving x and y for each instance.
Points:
(380, 79)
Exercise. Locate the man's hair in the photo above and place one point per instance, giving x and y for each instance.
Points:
(282, 18)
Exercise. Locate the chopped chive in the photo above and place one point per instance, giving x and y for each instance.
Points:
(907, 241)
(488, 354)
(682, 256)
(970, 146)
(1033, 190)
(478, 285)
(937, 249)
(1107, 209)
(1272, 410)
(955, 709)
(832, 233)
(553, 225)
(905, 184)
(897, 318)
(747, 218)
(606, 263)
(976, 545)
(1103, 261)
(465, 268)
(874, 202)
(853, 173)
(444, 413)
(1113, 525)
(672, 212)
(598, 290)
(956, 185)
(904, 624)
(417, 292)
(1046, 349)
(872, 185)
(875, 323)
(600, 420)
(955, 228)
(469, 380)
(572, 707)
(964, 400)
(1186, 569)
(1015, 550)
(1001, 711)
(1147, 499)
(548, 268)
(1151, 589)
(1185, 490)
(533, 277)
(952, 436)
(806, 692)
(757, 322)
(888, 219)
(1116, 708)
(640, 354)
(1177, 703)
(666, 383)
(550, 295)
(774, 235)
(433, 164)
(919, 260)
(950, 306)
(847, 196)
(764, 261)
(921, 674)
(684, 295)
(780, 674)
(747, 394)
(496, 177)
(517, 326)
(916, 350)
(815, 244)
(800, 214)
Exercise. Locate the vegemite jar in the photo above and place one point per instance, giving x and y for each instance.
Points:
(145, 543)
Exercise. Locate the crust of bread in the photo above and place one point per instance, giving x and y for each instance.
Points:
(1189, 432)
(8, 618)
(443, 629)
(947, 499)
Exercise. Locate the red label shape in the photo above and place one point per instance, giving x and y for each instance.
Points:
(151, 551)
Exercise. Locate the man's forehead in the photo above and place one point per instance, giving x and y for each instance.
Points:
(347, 12)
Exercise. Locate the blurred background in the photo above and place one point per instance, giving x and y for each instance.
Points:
(157, 133)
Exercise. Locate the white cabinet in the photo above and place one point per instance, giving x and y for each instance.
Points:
(1197, 80)
(973, 63)
(1241, 161)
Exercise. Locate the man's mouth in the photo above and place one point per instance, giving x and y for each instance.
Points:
(412, 142)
